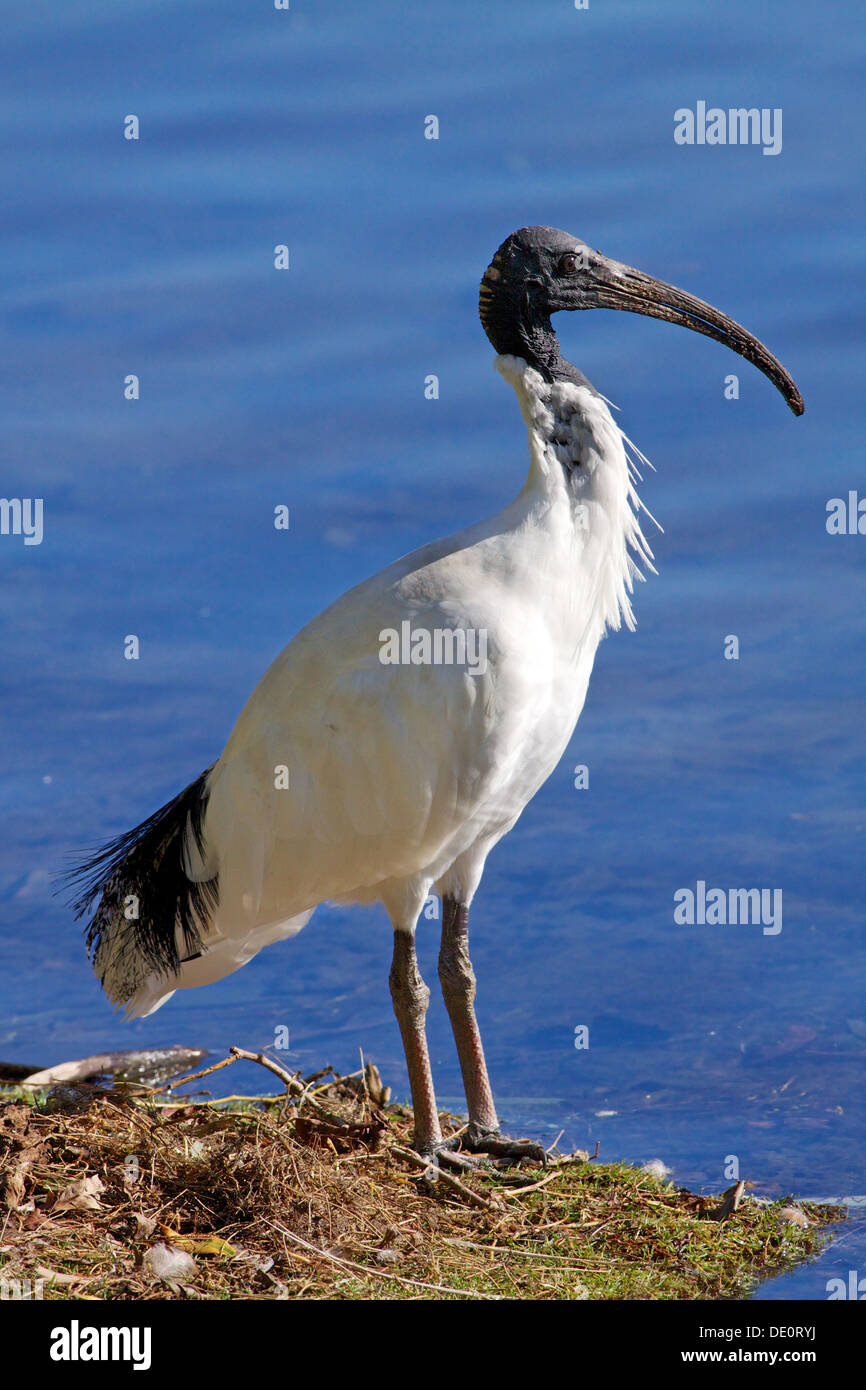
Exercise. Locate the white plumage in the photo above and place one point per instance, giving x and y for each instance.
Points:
(352, 779)
(403, 777)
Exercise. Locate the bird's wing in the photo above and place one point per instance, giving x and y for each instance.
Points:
(344, 771)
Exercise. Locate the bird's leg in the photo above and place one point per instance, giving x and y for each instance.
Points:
(458, 988)
(411, 996)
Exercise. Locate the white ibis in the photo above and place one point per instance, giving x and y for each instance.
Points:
(400, 734)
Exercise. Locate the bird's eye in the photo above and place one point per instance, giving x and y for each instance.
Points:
(569, 263)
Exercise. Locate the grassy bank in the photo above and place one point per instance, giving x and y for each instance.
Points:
(130, 1193)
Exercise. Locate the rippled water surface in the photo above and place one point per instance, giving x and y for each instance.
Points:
(156, 257)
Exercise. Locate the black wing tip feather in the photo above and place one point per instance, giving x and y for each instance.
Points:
(147, 864)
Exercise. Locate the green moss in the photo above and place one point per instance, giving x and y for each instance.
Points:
(307, 1217)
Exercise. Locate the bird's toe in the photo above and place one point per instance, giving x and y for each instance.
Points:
(449, 1155)
(500, 1148)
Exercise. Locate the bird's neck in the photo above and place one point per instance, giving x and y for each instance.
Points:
(517, 331)
(520, 329)
(579, 493)
(530, 338)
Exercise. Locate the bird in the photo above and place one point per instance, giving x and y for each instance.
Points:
(400, 734)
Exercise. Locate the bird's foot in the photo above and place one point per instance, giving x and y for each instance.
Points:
(498, 1148)
(446, 1153)
(477, 1150)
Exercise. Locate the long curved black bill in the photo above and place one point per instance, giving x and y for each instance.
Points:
(617, 286)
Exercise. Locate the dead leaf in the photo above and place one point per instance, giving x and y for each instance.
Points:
(145, 1225)
(731, 1201)
(52, 1277)
(14, 1190)
(793, 1216)
(199, 1245)
(379, 1094)
(81, 1195)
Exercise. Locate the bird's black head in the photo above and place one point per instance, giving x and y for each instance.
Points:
(539, 271)
(530, 277)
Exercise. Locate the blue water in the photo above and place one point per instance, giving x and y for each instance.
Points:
(306, 388)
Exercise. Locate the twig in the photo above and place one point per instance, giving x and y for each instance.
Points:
(317, 1075)
(292, 1082)
(580, 1157)
(523, 1253)
(557, 1165)
(530, 1187)
(456, 1186)
(377, 1273)
(186, 1101)
(196, 1076)
(326, 1085)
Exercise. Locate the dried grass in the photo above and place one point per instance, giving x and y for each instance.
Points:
(315, 1193)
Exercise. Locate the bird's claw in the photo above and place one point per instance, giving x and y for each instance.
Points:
(446, 1154)
(475, 1149)
(502, 1150)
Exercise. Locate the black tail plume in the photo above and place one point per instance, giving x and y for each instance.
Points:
(147, 916)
